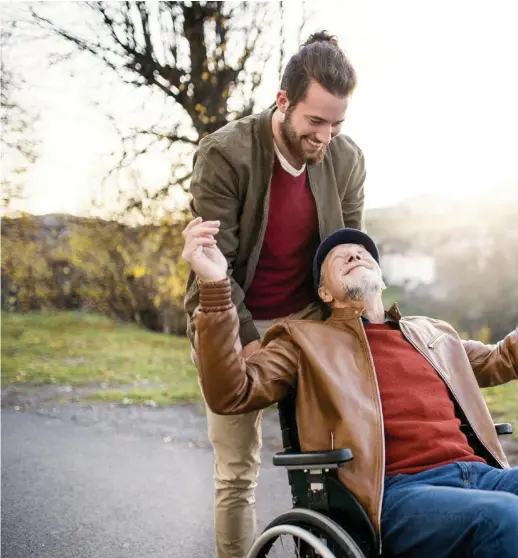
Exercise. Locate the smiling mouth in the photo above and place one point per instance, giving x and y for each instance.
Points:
(352, 269)
(313, 144)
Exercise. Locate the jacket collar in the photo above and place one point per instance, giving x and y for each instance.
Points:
(355, 309)
(393, 313)
(265, 131)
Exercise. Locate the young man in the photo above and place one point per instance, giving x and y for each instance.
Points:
(277, 182)
(393, 389)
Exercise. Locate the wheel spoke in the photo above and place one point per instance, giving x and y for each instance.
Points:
(308, 535)
(291, 546)
(281, 539)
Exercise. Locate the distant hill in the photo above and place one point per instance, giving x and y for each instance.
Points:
(456, 260)
(425, 223)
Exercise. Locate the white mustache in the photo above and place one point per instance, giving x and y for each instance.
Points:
(355, 265)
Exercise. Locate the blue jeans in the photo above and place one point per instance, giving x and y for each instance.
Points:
(459, 510)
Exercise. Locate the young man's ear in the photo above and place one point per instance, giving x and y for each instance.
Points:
(282, 101)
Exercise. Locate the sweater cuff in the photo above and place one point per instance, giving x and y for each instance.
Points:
(215, 296)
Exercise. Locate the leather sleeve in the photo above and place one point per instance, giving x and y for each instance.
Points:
(215, 196)
(494, 364)
(230, 383)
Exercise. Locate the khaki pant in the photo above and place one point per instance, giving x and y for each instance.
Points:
(237, 441)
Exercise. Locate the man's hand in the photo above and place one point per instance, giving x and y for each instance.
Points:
(251, 348)
(201, 252)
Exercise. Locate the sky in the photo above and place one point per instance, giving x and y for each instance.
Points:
(435, 111)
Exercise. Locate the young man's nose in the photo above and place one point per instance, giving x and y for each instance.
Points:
(324, 135)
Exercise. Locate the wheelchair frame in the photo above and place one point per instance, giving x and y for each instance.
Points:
(318, 495)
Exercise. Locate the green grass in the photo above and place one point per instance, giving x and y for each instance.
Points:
(165, 395)
(79, 348)
(503, 404)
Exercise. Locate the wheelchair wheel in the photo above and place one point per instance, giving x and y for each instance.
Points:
(305, 534)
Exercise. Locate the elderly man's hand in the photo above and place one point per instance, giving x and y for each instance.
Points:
(201, 252)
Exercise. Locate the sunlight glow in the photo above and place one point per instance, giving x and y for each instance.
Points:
(435, 111)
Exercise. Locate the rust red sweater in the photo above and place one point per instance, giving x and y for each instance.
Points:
(421, 429)
(283, 281)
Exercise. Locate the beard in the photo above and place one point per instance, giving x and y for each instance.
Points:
(363, 288)
(294, 142)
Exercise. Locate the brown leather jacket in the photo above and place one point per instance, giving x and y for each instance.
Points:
(330, 366)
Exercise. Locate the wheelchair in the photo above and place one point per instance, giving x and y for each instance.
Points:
(326, 520)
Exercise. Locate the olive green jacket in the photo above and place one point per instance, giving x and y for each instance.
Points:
(231, 183)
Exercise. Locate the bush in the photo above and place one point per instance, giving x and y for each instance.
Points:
(63, 262)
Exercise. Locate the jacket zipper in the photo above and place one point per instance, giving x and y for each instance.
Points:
(432, 344)
(445, 380)
(366, 343)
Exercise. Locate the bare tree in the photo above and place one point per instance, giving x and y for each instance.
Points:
(206, 57)
(17, 138)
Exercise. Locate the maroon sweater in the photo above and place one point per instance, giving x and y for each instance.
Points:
(283, 283)
(421, 429)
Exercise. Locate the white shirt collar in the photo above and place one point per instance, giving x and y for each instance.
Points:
(286, 165)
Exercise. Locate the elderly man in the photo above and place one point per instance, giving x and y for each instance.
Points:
(394, 389)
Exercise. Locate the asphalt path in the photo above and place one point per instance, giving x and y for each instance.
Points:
(119, 481)
(100, 481)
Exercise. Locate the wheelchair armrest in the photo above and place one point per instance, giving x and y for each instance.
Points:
(503, 428)
(332, 459)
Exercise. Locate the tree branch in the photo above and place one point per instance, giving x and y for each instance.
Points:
(179, 49)
(173, 138)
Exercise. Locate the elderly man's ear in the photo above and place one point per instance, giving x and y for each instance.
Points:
(324, 295)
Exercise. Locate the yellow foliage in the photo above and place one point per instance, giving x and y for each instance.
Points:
(483, 335)
(98, 265)
(139, 271)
